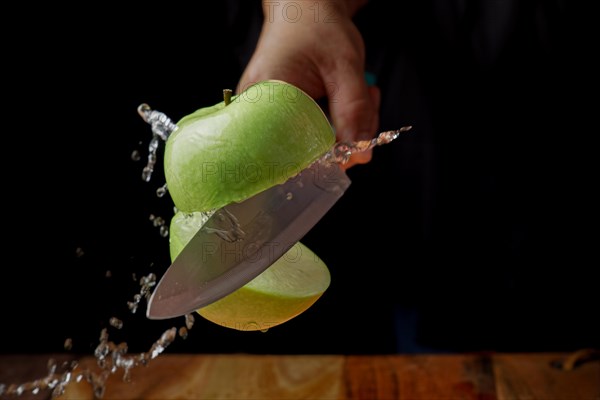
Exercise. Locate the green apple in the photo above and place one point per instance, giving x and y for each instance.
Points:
(237, 148)
(284, 290)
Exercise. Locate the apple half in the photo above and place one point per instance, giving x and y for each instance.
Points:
(284, 290)
(238, 148)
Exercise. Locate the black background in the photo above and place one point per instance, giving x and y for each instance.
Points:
(476, 231)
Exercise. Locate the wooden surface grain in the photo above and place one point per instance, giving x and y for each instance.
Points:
(430, 377)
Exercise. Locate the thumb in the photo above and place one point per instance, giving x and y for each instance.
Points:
(354, 110)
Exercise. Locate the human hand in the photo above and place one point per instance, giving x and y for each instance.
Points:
(317, 47)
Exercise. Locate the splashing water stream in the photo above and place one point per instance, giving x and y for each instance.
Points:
(112, 357)
(161, 127)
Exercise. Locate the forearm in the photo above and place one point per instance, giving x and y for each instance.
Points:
(310, 10)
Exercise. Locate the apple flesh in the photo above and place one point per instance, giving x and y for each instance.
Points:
(284, 290)
(229, 152)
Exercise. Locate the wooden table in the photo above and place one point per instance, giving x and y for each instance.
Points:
(463, 376)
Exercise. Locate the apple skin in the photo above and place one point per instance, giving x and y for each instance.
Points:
(227, 153)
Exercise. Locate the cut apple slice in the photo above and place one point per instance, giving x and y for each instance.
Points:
(229, 152)
(284, 290)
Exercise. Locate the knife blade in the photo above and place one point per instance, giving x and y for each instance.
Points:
(241, 240)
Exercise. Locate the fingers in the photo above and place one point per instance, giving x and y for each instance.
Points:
(248, 78)
(354, 109)
(260, 67)
(365, 156)
(353, 105)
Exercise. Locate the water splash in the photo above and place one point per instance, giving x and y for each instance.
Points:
(112, 357)
(116, 323)
(183, 332)
(133, 305)
(162, 127)
(156, 221)
(341, 152)
(226, 226)
(189, 321)
(56, 380)
(146, 284)
(79, 252)
(135, 155)
(161, 224)
(164, 231)
(161, 191)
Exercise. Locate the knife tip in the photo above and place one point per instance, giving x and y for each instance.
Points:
(160, 307)
(153, 309)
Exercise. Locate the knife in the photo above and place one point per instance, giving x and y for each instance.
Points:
(241, 240)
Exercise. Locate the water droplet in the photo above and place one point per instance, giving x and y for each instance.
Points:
(264, 330)
(161, 125)
(189, 321)
(115, 322)
(99, 392)
(289, 196)
(146, 174)
(161, 191)
(183, 332)
(79, 252)
(164, 231)
(127, 375)
(151, 217)
(51, 366)
(161, 344)
(68, 344)
(144, 111)
(158, 221)
(136, 156)
(148, 280)
(133, 306)
(152, 147)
